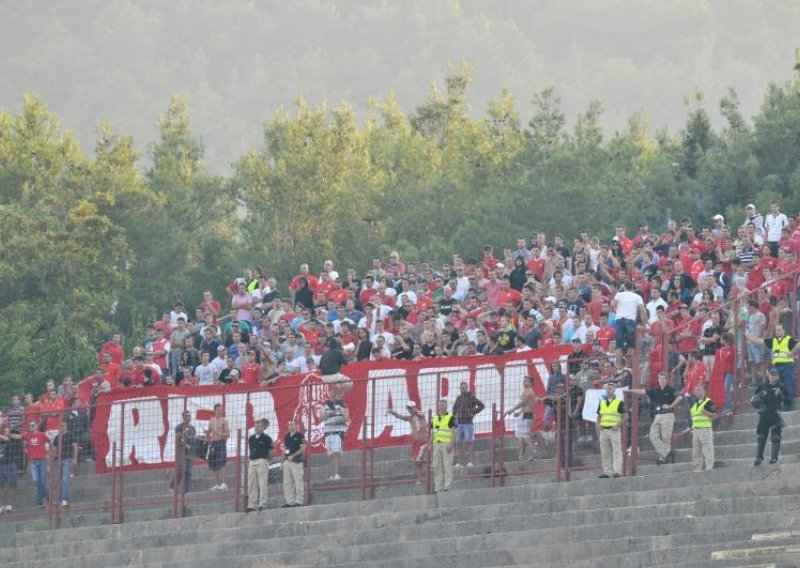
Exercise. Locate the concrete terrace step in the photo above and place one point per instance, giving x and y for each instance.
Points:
(376, 545)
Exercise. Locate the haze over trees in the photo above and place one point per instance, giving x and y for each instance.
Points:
(104, 238)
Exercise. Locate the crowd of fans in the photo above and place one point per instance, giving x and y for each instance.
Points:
(544, 291)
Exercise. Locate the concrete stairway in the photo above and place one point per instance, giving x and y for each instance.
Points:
(736, 515)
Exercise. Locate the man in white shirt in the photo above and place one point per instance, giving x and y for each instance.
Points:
(655, 301)
(626, 306)
(206, 372)
(587, 325)
(774, 224)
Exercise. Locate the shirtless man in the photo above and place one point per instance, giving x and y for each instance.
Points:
(419, 435)
(217, 435)
(524, 411)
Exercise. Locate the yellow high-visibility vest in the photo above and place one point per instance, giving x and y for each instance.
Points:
(442, 434)
(699, 418)
(609, 413)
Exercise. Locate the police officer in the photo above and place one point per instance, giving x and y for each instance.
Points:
(784, 350)
(443, 427)
(769, 398)
(702, 412)
(610, 413)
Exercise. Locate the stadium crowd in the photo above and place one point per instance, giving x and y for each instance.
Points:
(592, 293)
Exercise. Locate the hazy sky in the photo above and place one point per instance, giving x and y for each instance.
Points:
(238, 61)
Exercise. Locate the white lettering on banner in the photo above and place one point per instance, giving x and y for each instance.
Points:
(263, 405)
(447, 380)
(487, 390)
(141, 438)
(392, 384)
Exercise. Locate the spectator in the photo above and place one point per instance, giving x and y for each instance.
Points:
(294, 447)
(260, 451)
(11, 457)
(65, 457)
(523, 410)
(627, 305)
(217, 435)
(465, 408)
(335, 415)
(37, 445)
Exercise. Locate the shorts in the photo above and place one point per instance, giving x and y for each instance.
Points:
(755, 353)
(217, 455)
(8, 475)
(333, 442)
(418, 451)
(524, 428)
(465, 433)
(337, 379)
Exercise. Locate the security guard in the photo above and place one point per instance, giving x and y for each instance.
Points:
(769, 398)
(702, 412)
(784, 350)
(610, 413)
(662, 415)
(443, 428)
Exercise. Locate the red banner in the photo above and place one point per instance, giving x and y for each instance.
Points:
(142, 421)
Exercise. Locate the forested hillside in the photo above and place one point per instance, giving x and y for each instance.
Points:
(104, 237)
(238, 61)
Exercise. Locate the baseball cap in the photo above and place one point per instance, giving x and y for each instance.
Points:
(751, 206)
(718, 217)
(773, 370)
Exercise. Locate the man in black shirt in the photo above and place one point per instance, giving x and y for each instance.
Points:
(330, 365)
(260, 447)
(294, 446)
(769, 398)
(662, 414)
(65, 456)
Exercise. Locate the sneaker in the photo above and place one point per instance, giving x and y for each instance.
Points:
(262, 507)
(223, 487)
(604, 476)
(9, 508)
(336, 477)
(758, 462)
(249, 510)
(617, 475)
(659, 461)
(458, 465)
(65, 503)
(330, 478)
(470, 464)
(773, 461)
(286, 506)
(215, 488)
(42, 506)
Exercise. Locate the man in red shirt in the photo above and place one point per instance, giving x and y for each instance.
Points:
(36, 447)
(111, 369)
(114, 347)
(209, 304)
(52, 409)
(310, 279)
(251, 370)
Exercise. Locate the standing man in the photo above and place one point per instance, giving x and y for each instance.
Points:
(774, 223)
(217, 436)
(294, 448)
(627, 305)
(443, 429)
(756, 328)
(610, 413)
(65, 457)
(769, 399)
(335, 415)
(465, 409)
(260, 446)
(524, 411)
(784, 350)
(662, 415)
(185, 436)
(702, 412)
(37, 444)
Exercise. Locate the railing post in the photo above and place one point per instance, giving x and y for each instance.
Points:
(635, 383)
(372, 445)
(121, 505)
(493, 446)
(307, 460)
(429, 458)
(502, 426)
(113, 483)
(364, 461)
(557, 439)
(238, 472)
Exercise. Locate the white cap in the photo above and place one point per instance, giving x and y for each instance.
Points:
(551, 299)
(500, 265)
(718, 217)
(349, 347)
(750, 206)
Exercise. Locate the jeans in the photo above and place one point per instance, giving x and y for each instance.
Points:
(788, 375)
(39, 475)
(729, 392)
(66, 473)
(625, 333)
